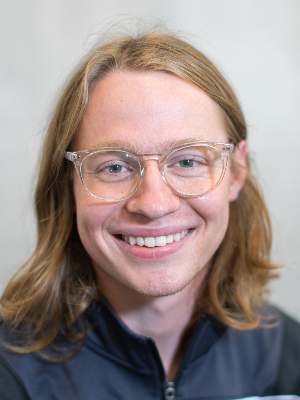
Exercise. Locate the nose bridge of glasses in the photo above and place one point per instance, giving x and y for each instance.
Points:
(150, 156)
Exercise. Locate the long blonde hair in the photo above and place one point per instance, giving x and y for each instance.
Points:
(57, 284)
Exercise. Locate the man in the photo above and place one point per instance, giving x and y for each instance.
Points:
(149, 275)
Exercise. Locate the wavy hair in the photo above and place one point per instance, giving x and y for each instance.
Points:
(56, 285)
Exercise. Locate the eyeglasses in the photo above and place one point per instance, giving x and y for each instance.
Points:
(113, 174)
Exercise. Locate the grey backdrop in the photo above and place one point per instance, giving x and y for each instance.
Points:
(256, 45)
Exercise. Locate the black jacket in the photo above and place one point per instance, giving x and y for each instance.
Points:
(115, 363)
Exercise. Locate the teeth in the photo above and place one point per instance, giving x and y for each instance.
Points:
(159, 241)
(132, 240)
(177, 237)
(170, 239)
(140, 241)
(150, 242)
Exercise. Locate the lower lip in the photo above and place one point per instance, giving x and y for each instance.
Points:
(150, 253)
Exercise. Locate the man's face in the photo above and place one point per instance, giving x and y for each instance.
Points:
(144, 112)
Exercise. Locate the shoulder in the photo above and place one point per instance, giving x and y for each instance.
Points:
(288, 379)
(11, 385)
(264, 361)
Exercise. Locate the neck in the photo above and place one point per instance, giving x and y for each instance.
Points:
(164, 319)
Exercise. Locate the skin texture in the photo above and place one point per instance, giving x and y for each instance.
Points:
(146, 112)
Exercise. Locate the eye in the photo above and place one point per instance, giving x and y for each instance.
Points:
(186, 163)
(116, 168)
(106, 168)
(189, 162)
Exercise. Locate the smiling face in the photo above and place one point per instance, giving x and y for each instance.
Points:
(145, 112)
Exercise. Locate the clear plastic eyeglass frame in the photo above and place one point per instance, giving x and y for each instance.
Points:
(78, 158)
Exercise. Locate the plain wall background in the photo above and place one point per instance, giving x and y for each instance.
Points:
(254, 43)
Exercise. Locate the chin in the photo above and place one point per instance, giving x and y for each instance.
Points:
(161, 287)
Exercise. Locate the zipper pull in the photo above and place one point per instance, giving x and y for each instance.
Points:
(169, 391)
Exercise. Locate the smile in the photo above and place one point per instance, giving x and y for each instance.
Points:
(158, 241)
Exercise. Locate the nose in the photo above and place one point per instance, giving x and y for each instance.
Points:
(153, 198)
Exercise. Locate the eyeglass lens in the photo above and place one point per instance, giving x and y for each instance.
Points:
(112, 175)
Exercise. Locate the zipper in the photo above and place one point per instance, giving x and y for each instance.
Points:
(169, 390)
(169, 387)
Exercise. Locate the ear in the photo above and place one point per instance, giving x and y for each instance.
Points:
(238, 170)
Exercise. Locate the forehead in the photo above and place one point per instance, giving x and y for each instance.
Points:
(148, 111)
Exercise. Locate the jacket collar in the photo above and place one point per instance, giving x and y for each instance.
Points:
(112, 338)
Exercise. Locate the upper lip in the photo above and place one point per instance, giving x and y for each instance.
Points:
(155, 232)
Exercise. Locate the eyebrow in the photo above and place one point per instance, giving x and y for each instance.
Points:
(163, 146)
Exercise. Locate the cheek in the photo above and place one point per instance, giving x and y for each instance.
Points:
(213, 207)
(92, 221)
(91, 215)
